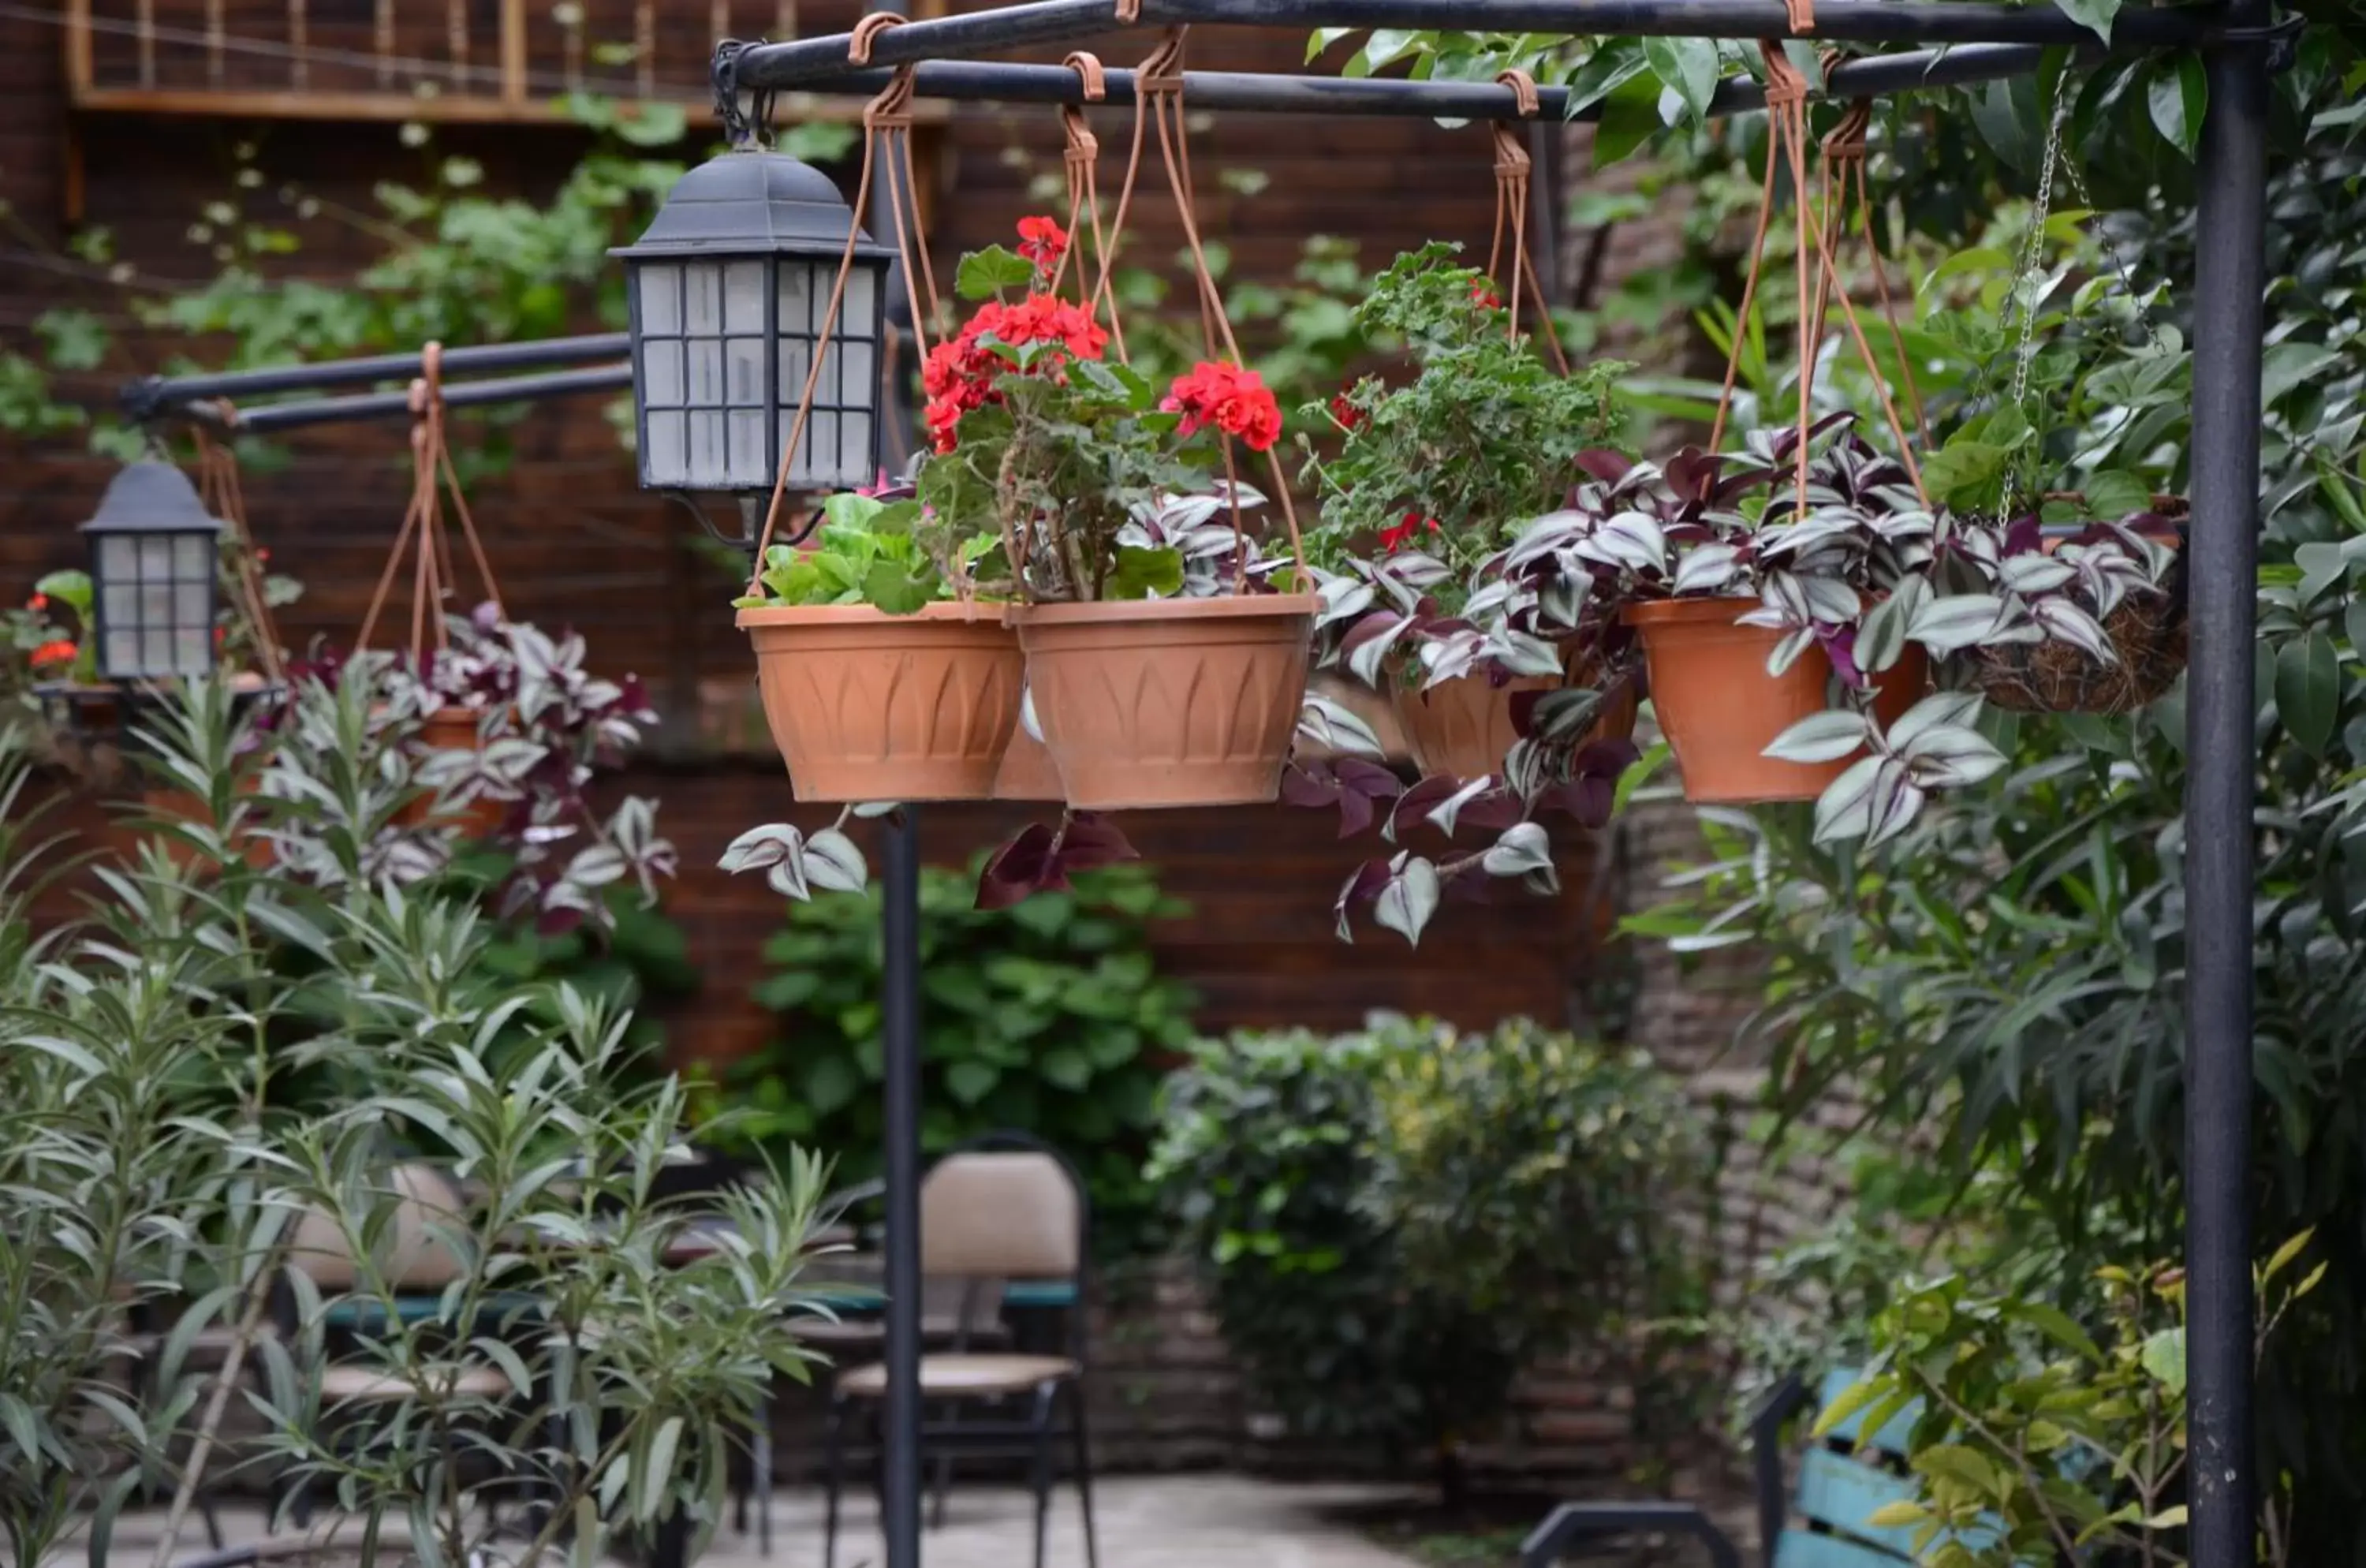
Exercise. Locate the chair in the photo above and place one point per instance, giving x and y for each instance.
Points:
(1005, 1207)
(415, 1265)
(1844, 1477)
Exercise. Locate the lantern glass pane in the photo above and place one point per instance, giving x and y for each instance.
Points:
(668, 448)
(662, 383)
(751, 462)
(118, 560)
(155, 650)
(189, 650)
(709, 466)
(156, 557)
(743, 297)
(860, 303)
(192, 605)
(799, 304)
(705, 375)
(702, 300)
(120, 652)
(192, 556)
(855, 448)
(660, 299)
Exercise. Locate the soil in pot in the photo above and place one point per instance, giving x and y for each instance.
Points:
(865, 705)
(1720, 709)
(1169, 702)
(1463, 727)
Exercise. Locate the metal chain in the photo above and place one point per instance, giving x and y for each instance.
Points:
(2023, 297)
(2119, 262)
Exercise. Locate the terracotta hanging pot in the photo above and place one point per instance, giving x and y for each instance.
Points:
(1028, 772)
(865, 705)
(1720, 709)
(1169, 702)
(1463, 727)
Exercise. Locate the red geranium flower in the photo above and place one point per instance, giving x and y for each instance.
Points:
(1235, 400)
(38, 602)
(1399, 535)
(1486, 297)
(961, 372)
(1348, 415)
(60, 651)
(1042, 242)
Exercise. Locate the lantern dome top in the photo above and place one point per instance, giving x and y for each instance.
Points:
(750, 201)
(150, 497)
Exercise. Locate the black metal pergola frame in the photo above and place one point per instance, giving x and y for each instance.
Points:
(1980, 41)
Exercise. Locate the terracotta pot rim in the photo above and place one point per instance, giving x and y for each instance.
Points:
(990, 612)
(1230, 606)
(1722, 609)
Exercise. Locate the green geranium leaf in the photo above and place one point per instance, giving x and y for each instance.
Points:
(892, 587)
(1142, 573)
(986, 273)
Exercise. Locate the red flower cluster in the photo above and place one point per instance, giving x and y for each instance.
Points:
(961, 372)
(60, 651)
(1486, 297)
(1397, 537)
(1347, 414)
(1042, 242)
(1232, 400)
(38, 602)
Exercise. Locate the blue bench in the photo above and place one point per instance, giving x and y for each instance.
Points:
(1845, 1478)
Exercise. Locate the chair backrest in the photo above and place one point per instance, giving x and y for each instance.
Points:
(1001, 1213)
(416, 1257)
(1845, 1477)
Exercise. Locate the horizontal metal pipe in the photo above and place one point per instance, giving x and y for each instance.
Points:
(1256, 92)
(807, 60)
(397, 405)
(151, 397)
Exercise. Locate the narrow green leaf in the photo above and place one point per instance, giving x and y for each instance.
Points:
(2308, 690)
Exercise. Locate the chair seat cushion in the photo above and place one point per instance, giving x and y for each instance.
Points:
(368, 1383)
(966, 1374)
(842, 1332)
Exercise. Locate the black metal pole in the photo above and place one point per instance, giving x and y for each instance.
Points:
(2222, 751)
(805, 61)
(397, 405)
(151, 396)
(1256, 92)
(899, 1020)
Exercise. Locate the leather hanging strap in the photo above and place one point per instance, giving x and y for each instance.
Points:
(1158, 84)
(1514, 188)
(886, 141)
(1787, 120)
(1082, 158)
(1843, 160)
(422, 532)
(224, 497)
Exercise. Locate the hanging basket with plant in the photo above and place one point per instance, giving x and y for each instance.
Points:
(1166, 664)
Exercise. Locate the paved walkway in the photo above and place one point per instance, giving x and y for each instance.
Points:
(1182, 1521)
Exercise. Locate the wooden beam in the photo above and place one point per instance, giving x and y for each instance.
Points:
(78, 70)
(445, 109)
(513, 83)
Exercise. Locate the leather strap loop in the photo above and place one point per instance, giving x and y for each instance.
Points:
(866, 33)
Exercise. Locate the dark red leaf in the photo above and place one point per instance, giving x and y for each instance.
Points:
(1360, 777)
(1018, 870)
(1604, 759)
(1088, 841)
(1310, 784)
(1605, 465)
(1840, 646)
(1692, 474)
(1493, 811)
(1365, 886)
(1379, 622)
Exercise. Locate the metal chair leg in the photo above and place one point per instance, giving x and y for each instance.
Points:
(1083, 1468)
(944, 1482)
(833, 1466)
(759, 1475)
(1045, 1395)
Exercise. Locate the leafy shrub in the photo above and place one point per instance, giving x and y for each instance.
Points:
(2038, 1442)
(175, 1089)
(1398, 1221)
(1049, 1017)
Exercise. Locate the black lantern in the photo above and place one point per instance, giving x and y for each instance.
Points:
(730, 287)
(153, 554)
